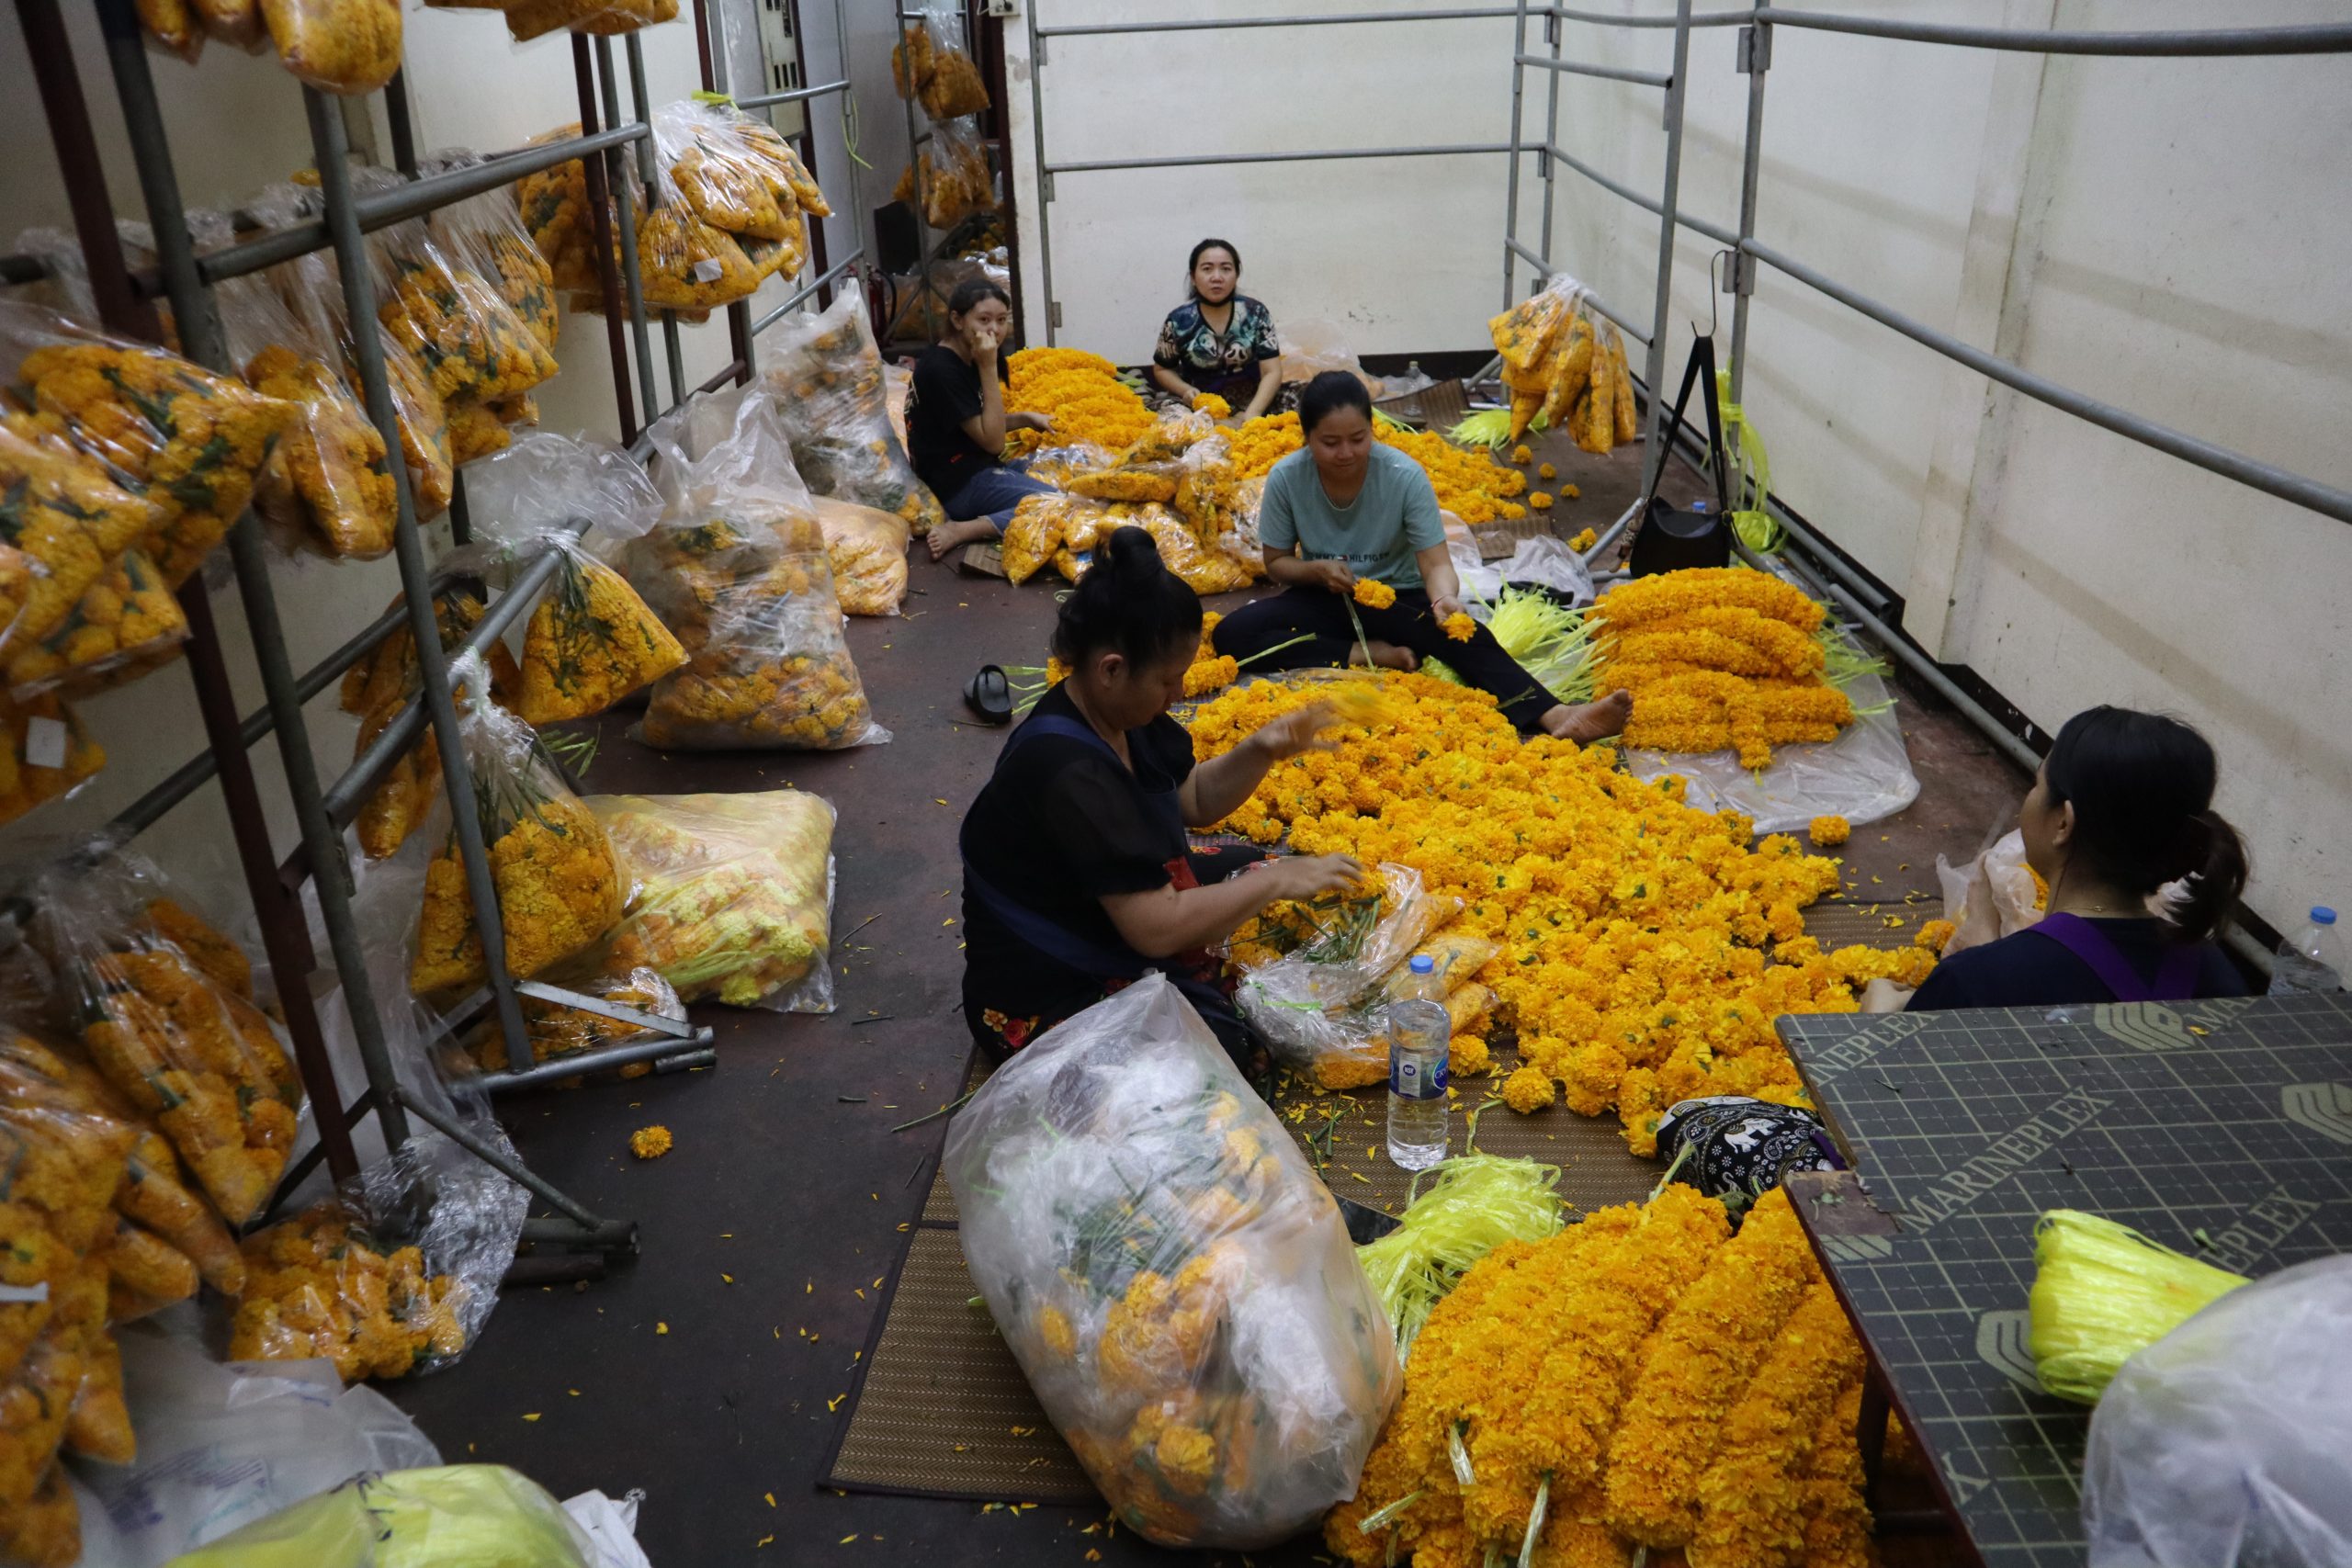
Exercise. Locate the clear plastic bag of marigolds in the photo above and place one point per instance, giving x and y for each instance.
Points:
(558, 883)
(190, 442)
(168, 1027)
(376, 690)
(329, 488)
(827, 374)
(712, 163)
(1176, 1283)
(311, 287)
(953, 85)
(486, 232)
(738, 568)
(1322, 997)
(349, 47)
(472, 344)
(590, 640)
(60, 1375)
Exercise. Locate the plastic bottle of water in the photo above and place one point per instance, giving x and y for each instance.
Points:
(1417, 1031)
(2310, 961)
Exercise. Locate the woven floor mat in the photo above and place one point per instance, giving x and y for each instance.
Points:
(944, 1410)
(1851, 922)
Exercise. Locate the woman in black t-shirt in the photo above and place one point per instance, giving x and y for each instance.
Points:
(2121, 807)
(1077, 875)
(957, 423)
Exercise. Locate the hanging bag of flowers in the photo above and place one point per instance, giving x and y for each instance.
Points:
(486, 232)
(737, 569)
(590, 640)
(558, 883)
(183, 1048)
(827, 375)
(471, 341)
(377, 687)
(1173, 1278)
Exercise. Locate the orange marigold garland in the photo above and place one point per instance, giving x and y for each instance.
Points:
(1542, 1389)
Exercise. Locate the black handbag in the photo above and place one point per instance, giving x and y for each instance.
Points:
(1672, 538)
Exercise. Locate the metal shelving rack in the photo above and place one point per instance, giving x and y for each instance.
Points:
(125, 302)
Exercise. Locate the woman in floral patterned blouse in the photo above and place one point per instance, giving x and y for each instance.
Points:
(1220, 340)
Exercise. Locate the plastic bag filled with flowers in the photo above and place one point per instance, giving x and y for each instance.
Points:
(728, 175)
(60, 1374)
(868, 549)
(1175, 1282)
(950, 177)
(1322, 998)
(554, 205)
(329, 487)
(590, 640)
(379, 687)
(191, 443)
(560, 885)
(165, 1238)
(179, 1044)
(486, 232)
(528, 20)
(934, 64)
(45, 754)
(735, 895)
(557, 1031)
(337, 45)
(474, 346)
(312, 288)
(325, 1284)
(827, 374)
(737, 569)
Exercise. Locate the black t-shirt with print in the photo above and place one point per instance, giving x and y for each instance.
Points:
(2026, 970)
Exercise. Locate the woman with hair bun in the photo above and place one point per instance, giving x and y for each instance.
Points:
(2121, 808)
(1077, 877)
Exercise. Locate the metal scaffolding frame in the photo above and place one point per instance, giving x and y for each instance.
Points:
(124, 299)
(1822, 567)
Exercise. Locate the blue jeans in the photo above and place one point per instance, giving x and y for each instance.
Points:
(993, 493)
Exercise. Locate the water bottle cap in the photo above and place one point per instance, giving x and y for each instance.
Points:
(2322, 914)
(1424, 965)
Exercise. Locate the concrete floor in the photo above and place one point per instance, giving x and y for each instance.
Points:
(708, 1372)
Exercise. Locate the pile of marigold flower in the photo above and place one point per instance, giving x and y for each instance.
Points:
(1082, 394)
(1645, 947)
(1718, 659)
(1470, 484)
(1643, 1379)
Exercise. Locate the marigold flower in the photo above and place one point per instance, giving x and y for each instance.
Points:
(1546, 471)
(650, 1142)
(1933, 934)
(1522, 453)
(1528, 1089)
(1829, 833)
(1588, 538)
(1540, 501)
(1374, 594)
(1459, 627)
(1212, 405)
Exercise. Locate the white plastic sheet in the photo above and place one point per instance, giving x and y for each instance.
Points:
(1547, 563)
(2229, 1441)
(1863, 776)
(1991, 897)
(220, 1446)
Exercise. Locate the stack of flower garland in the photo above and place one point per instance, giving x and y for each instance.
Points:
(1471, 485)
(1718, 659)
(1641, 1379)
(1084, 394)
(1633, 928)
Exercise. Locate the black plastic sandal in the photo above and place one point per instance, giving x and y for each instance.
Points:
(990, 695)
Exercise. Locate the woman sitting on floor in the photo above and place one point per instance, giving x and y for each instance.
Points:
(2121, 807)
(1348, 507)
(1078, 875)
(956, 424)
(1219, 341)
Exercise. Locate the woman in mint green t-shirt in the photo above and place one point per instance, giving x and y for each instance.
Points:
(1348, 507)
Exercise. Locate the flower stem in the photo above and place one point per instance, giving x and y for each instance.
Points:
(1535, 1522)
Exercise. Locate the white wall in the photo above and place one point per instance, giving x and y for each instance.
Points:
(2162, 234)
(237, 123)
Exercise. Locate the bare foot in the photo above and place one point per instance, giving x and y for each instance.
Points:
(1590, 721)
(1386, 655)
(949, 536)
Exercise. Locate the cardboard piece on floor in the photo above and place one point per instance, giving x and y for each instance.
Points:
(982, 560)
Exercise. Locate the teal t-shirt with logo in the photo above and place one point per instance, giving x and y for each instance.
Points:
(1378, 534)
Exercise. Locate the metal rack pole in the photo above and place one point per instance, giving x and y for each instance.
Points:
(1510, 177)
(416, 578)
(624, 223)
(1551, 121)
(1045, 171)
(1756, 59)
(1677, 92)
(856, 207)
(602, 225)
(914, 164)
(285, 933)
(642, 104)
